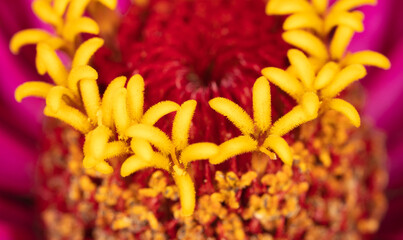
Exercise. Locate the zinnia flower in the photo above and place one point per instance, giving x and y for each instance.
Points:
(187, 126)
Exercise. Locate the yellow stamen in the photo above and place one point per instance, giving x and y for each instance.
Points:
(154, 113)
(344, 78)
(32, 89)
(280, 147)
(368, 58)
(45, 12)
(346, 109)
(326, 75)
(303, 20)
(340, 41)
(352, 20)
(187, 193)
(57, 96)
(28, 36)
(136, 163)
(60, 6)
(76, 9)
(135, 97)
(71, 116)
(320, 5)
(302, 67)
(107, 100)
(345, 5)
(284, 80)
(307, 42)
(53, 64)
(142, 148)
(182, 123)
(262, 104)
(198, 151)
(120, 113)
(90, 97)
(281, 7)
(234, 113)
(152, 134)
(104, 167)
(99, 140)
(114, 149)
(80, 73)
(234, 147)
(79, 25)
(85, 51)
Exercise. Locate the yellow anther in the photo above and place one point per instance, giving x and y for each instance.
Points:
(28, 36)
(71, 116)
(80, 73)
(302, 67)
(154, 113)
(352, 20)
(234, 113)
(135, 97)
(320, 5)
(182, 124)
(344, 78)
(136, 163)
(77, 26)
(234, 147)
(307, 42)
(281, 7)
(52, 63)
(345, 5)
(198, 151)
(284, 80)
(104, 167)
(340, 41)
(326, 75)
(76, 9)
(120, 113)
(60, 6)
(85, 51)
(57, 97)
(310, 104)
(346, 109)
(367, 58)
(107, 100)
(262, 104)
(32, 89)
(280, 147)
(111, 4)
(90, 97)
(152, 134)
(142, 148)
(303, 21)
(187, 193)
(99, 139)
(45, 12)
(115, 149)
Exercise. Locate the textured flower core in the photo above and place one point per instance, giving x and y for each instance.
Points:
(197, 120)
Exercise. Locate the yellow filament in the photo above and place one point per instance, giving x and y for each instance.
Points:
(32, 89)
(111, 4)
(340, 41)
(120, 113)
(28, 36)
(326, 75)
(302, 67)
(136, 163)
(80, 73)
(182, 123)
(262, 104)
(52, 63)
(114, 149)
(282, 7)
(303, 20)
(345, 5)
(56, 97)
(142, 148)
(60, 6)
(234, 147)
(234, 113)
(307, 42)
(352, 20)
(280, 147)
(90, 97)
(71, 116)
(154, 113)
(76, 9)
(344, 78)
(104, 167)
(187, 193)
(107, 100)
(346, 109)
(284, 80)
(135, 97)
(152, 134)
(86, 50)
(198, 151)
(79, 25)
(44, 11)
(320, 5)
(368, 58)
(99, 140)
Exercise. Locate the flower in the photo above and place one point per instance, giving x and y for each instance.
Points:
(120, 221)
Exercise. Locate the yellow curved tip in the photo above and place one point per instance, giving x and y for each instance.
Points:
(284, 7)
(89, 162)
(104, 167)
(198, 151)
(346, 5)
(310, 104)
(45, 12)
(135, 97)
(234, 147)
(79, 25)
(346, 109)
(303, 20)
(157, 111)
(326, 75)
(99, 140)
(79, 73)
(52, 63)
(280, 147)
(114, 149)
(28, 36)
(141, 148)
(341, 39)
(262, 104)
(284, 81)
(368, 58)
(187, 193)
(182, 124)
(107, 100)
(86, 50)
(307, 42)
(32, 89)
(152, 134)
(120, 112)
(234, 113)
(302, 67)
(90, 97)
